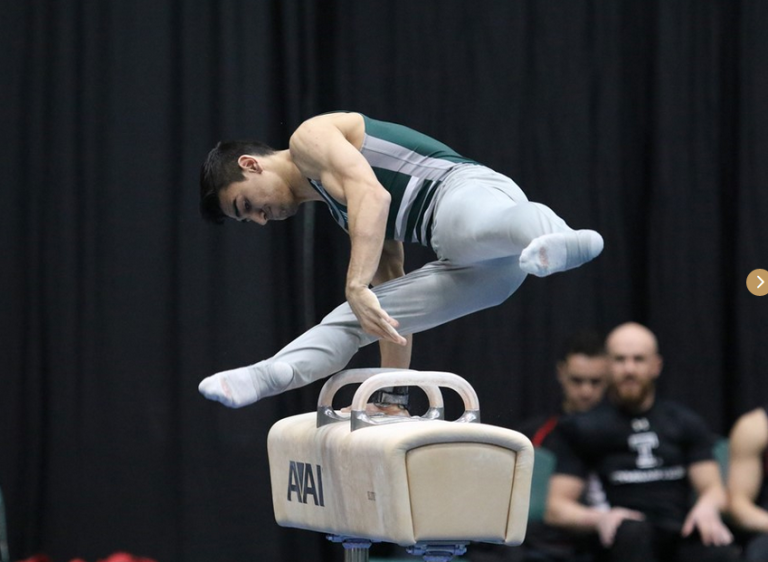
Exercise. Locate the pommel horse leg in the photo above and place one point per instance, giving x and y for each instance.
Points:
(355, 550)
(358, 550)
(424, 483)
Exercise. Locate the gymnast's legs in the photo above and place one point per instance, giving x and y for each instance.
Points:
(427, 297)
(481, 214)
(484, 227)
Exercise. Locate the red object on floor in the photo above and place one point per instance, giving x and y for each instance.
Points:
(125, 557)
(116, 557)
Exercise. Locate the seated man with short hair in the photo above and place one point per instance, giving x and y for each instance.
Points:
(649, 454)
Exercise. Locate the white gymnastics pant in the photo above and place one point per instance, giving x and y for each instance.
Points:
(482, 223)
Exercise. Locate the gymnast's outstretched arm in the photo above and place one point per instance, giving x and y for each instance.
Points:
(321, 150)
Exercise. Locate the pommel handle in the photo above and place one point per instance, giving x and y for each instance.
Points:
(326, 414)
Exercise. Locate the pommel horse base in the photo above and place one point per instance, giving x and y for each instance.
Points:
(427, 484)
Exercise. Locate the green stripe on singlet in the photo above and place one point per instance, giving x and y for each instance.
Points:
(412, 140)
(414, 217)
(428, 232)
(395, 183)
(422, 203)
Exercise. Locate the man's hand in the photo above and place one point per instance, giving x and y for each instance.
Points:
(373, 319)
(609, 521)
(705, 515)
(706, 518)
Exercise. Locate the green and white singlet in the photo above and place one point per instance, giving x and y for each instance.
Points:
(411, 166)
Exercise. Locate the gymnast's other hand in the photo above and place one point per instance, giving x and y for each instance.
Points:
(373, 319)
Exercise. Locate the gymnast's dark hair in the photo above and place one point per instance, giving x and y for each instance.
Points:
(221, 169)
(586, 342)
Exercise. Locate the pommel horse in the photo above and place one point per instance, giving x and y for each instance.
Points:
(424, 483)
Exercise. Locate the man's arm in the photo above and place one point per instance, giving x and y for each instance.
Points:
(392, 266)
(320, 149)
(705, 514)
(748, 441)
(565, 510)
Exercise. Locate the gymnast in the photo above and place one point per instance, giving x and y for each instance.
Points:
(385, 184)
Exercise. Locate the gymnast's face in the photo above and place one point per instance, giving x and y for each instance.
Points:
(261, 197)
(583, 379)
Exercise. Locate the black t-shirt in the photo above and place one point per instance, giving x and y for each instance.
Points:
(642, 460)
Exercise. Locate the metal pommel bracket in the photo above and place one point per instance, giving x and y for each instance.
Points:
(438, 551)
(357, 549)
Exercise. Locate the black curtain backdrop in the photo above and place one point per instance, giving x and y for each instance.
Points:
(646, 120)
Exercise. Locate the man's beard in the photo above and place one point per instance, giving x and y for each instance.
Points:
(632, 398)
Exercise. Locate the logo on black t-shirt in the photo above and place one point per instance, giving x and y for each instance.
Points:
(644, 444)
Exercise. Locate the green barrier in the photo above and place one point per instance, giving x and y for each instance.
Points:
(543, 465)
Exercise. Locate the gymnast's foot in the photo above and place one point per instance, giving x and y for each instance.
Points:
(560, 251)
(239, 387)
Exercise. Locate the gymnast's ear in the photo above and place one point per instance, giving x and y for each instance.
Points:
(249, 163)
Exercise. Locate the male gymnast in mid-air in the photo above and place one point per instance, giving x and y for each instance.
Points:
(385, 184)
